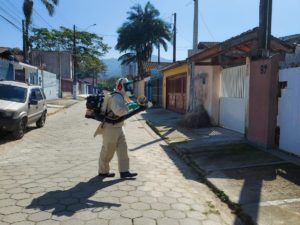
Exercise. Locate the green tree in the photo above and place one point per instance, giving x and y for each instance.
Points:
(108, 84)
(27, 10)
(89, 47)
(140, 33)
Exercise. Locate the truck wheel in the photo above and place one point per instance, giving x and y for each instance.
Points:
(41, 122)
(21, 129)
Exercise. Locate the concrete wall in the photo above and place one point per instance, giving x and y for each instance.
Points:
(29, 73)
(49, 85)
(263, 101)
(82, 88)
(206, 88)
(148, 88)
(66, 87)
(216, 84)
(6, 70)
(291, 60)
(60, 63)
(289, 111)
(169, 73)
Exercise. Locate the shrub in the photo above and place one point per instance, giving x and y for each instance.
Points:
(196, 119)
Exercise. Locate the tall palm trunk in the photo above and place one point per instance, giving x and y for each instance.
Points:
(27, 41)
(27, 9)
(140, 69)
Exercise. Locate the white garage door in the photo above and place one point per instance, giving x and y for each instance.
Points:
(289, 110)
(234, 98)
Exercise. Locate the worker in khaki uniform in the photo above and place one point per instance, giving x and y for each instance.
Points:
(113, 134)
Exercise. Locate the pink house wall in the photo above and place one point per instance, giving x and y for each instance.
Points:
(263, 102)
(207, 89)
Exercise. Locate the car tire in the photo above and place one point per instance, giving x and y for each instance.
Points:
(41, 122)
(21, 129)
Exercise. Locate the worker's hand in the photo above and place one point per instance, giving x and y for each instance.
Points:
(142, 100)
(132, 105)
(89, 114)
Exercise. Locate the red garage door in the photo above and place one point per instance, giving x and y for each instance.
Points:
(176, 93)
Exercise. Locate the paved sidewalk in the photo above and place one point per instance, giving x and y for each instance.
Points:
(265, 184)
(56, 105)
(50, 177)
(63, 102)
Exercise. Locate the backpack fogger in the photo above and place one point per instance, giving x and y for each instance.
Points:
(96, 106)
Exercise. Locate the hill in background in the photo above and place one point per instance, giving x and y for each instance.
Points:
(114, 66)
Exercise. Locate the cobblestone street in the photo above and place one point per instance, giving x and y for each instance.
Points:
(50, 177)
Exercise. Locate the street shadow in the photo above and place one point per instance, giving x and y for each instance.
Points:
(181, 165)
(252, 184)
(248, 185)
(163, 117)
(146, 144)
(167, 125)
(255, 183)
(6, 137)
(68, 202)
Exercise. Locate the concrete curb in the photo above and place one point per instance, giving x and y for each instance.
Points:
(235, 207)
(58, 109)
(53, 113)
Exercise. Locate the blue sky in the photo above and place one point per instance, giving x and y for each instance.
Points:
(218, 19)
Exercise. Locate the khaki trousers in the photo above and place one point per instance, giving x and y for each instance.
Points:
(113, 141)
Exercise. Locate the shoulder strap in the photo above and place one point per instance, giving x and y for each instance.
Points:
(118, 93)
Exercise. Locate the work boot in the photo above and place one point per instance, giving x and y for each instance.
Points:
(127, 174)
(106, 174)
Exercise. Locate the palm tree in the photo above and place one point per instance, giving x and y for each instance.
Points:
(140, 33)
(27, 10)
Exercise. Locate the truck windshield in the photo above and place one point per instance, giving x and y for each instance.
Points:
(12, 93)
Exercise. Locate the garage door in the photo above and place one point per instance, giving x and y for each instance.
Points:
(234, 98)
(176, 93)
(289, 110)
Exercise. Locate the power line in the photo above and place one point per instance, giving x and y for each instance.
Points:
(183, 38)
(136, 2)
(14, 7)
(108, 35)
(169, 19)
(13, 15)
(188, 3)
(18, 41)
(206, 27)
(36, 12)
(10, 15)
(62, 19)
(11, 23)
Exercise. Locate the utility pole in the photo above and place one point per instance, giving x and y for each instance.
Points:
(24, 41)
(75, 64)
(265, 25)
(158, 48)
(59, 61)
(195, 36)
(174, 38)
(191, 66)
(94, 89)
(97, 82)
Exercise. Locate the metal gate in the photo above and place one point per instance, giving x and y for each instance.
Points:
(176, 93)
(234, 98)
(156, 85)
(289, 110)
